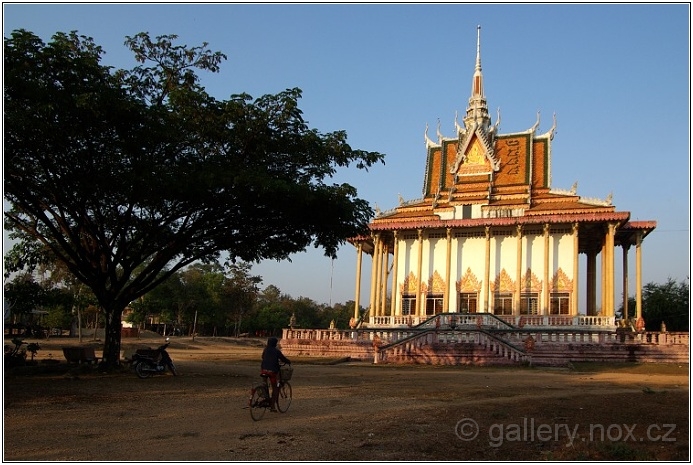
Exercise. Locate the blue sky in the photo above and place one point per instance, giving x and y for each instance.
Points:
(616, 76)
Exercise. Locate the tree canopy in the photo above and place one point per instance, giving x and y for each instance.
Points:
(127, 176)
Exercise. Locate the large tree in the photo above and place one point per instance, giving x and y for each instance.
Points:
(126, 176)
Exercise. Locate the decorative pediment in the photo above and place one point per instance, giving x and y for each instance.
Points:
(468, 282)
(475, 154)
(561, 282)
(503, 283)
(530, 282)
(410, 284)
(436, 284)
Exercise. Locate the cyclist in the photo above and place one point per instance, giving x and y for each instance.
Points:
(271, 356)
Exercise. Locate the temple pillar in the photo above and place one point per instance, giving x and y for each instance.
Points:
(576, 270)
(374, 274)
(604, 259)
(487, 270)
(638, 275)
(625, 248)
(591, 293)
(419, 299)
(518, 272)
(610, 277)
(384, 278)
(545, 285)
(357, 297)
(446, 296)
(394, 309)
(379, 278)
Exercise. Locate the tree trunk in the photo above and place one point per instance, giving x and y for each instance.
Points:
(112, 332)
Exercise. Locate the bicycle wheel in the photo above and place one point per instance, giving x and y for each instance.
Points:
(284, 400)
(259, 403)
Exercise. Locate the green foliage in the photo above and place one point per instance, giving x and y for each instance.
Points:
(24, 294)
(666, 303)
(58, 317)
(128, 176)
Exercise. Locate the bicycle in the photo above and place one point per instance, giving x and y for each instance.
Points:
(260, 396)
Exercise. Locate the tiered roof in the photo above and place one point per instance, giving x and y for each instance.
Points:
(504, 177)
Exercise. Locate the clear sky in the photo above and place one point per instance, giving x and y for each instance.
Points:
(617, 77)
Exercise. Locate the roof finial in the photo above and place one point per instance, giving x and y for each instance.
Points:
(478, 47)
(477, 110)
(478, 80)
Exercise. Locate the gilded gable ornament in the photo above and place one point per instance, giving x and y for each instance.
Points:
(503, 283)
(530, 282)
(475, 155)
(410, 284)
(436, 284)
(561, 282)
(468, 282)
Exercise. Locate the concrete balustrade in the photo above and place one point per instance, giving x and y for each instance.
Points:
(483, 339)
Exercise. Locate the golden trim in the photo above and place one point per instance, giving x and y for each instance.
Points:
(436, 283)
(503, 283)
(531, 282)
(561, 282)
(468, 282)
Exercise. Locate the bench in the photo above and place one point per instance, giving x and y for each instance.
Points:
(79, 355)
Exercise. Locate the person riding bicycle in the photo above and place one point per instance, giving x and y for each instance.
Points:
(271, 356)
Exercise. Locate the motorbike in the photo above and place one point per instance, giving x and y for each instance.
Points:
(152, 362)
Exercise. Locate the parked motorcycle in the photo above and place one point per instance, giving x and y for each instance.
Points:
(151, 362)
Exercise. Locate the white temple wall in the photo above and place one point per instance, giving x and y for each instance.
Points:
(562, 255)
(470, 253)
(533, 255)
(440, 252)
(503, 256)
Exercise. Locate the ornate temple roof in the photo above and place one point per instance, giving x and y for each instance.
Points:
(483, 178)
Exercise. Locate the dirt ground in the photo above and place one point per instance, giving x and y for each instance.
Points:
(342, 411)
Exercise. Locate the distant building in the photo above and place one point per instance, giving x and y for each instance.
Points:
(491, 235)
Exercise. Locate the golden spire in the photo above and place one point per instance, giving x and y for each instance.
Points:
(477, 111)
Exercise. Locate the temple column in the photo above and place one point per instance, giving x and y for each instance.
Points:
(591, 293)
(487, 270)
(374, 275)
(419, 298)
(545, 284)
(610, 278)
(576, 270)
(394, 309)
(385, 277)
(359, 256)
(446, 296)
(518, 272)
(625, 280)
(638, 275)
(604, 260)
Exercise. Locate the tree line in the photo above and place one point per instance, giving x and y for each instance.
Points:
(202, 299)
(227, 300)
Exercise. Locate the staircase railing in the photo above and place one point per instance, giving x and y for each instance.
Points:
(411, 344)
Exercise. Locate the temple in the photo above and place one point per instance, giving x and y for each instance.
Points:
(491, 235)
(485, 268)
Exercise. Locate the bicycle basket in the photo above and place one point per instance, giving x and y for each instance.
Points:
(286, 372)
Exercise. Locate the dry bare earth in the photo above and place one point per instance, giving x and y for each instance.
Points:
(345, 411)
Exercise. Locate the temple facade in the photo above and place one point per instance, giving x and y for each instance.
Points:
(490, 235)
